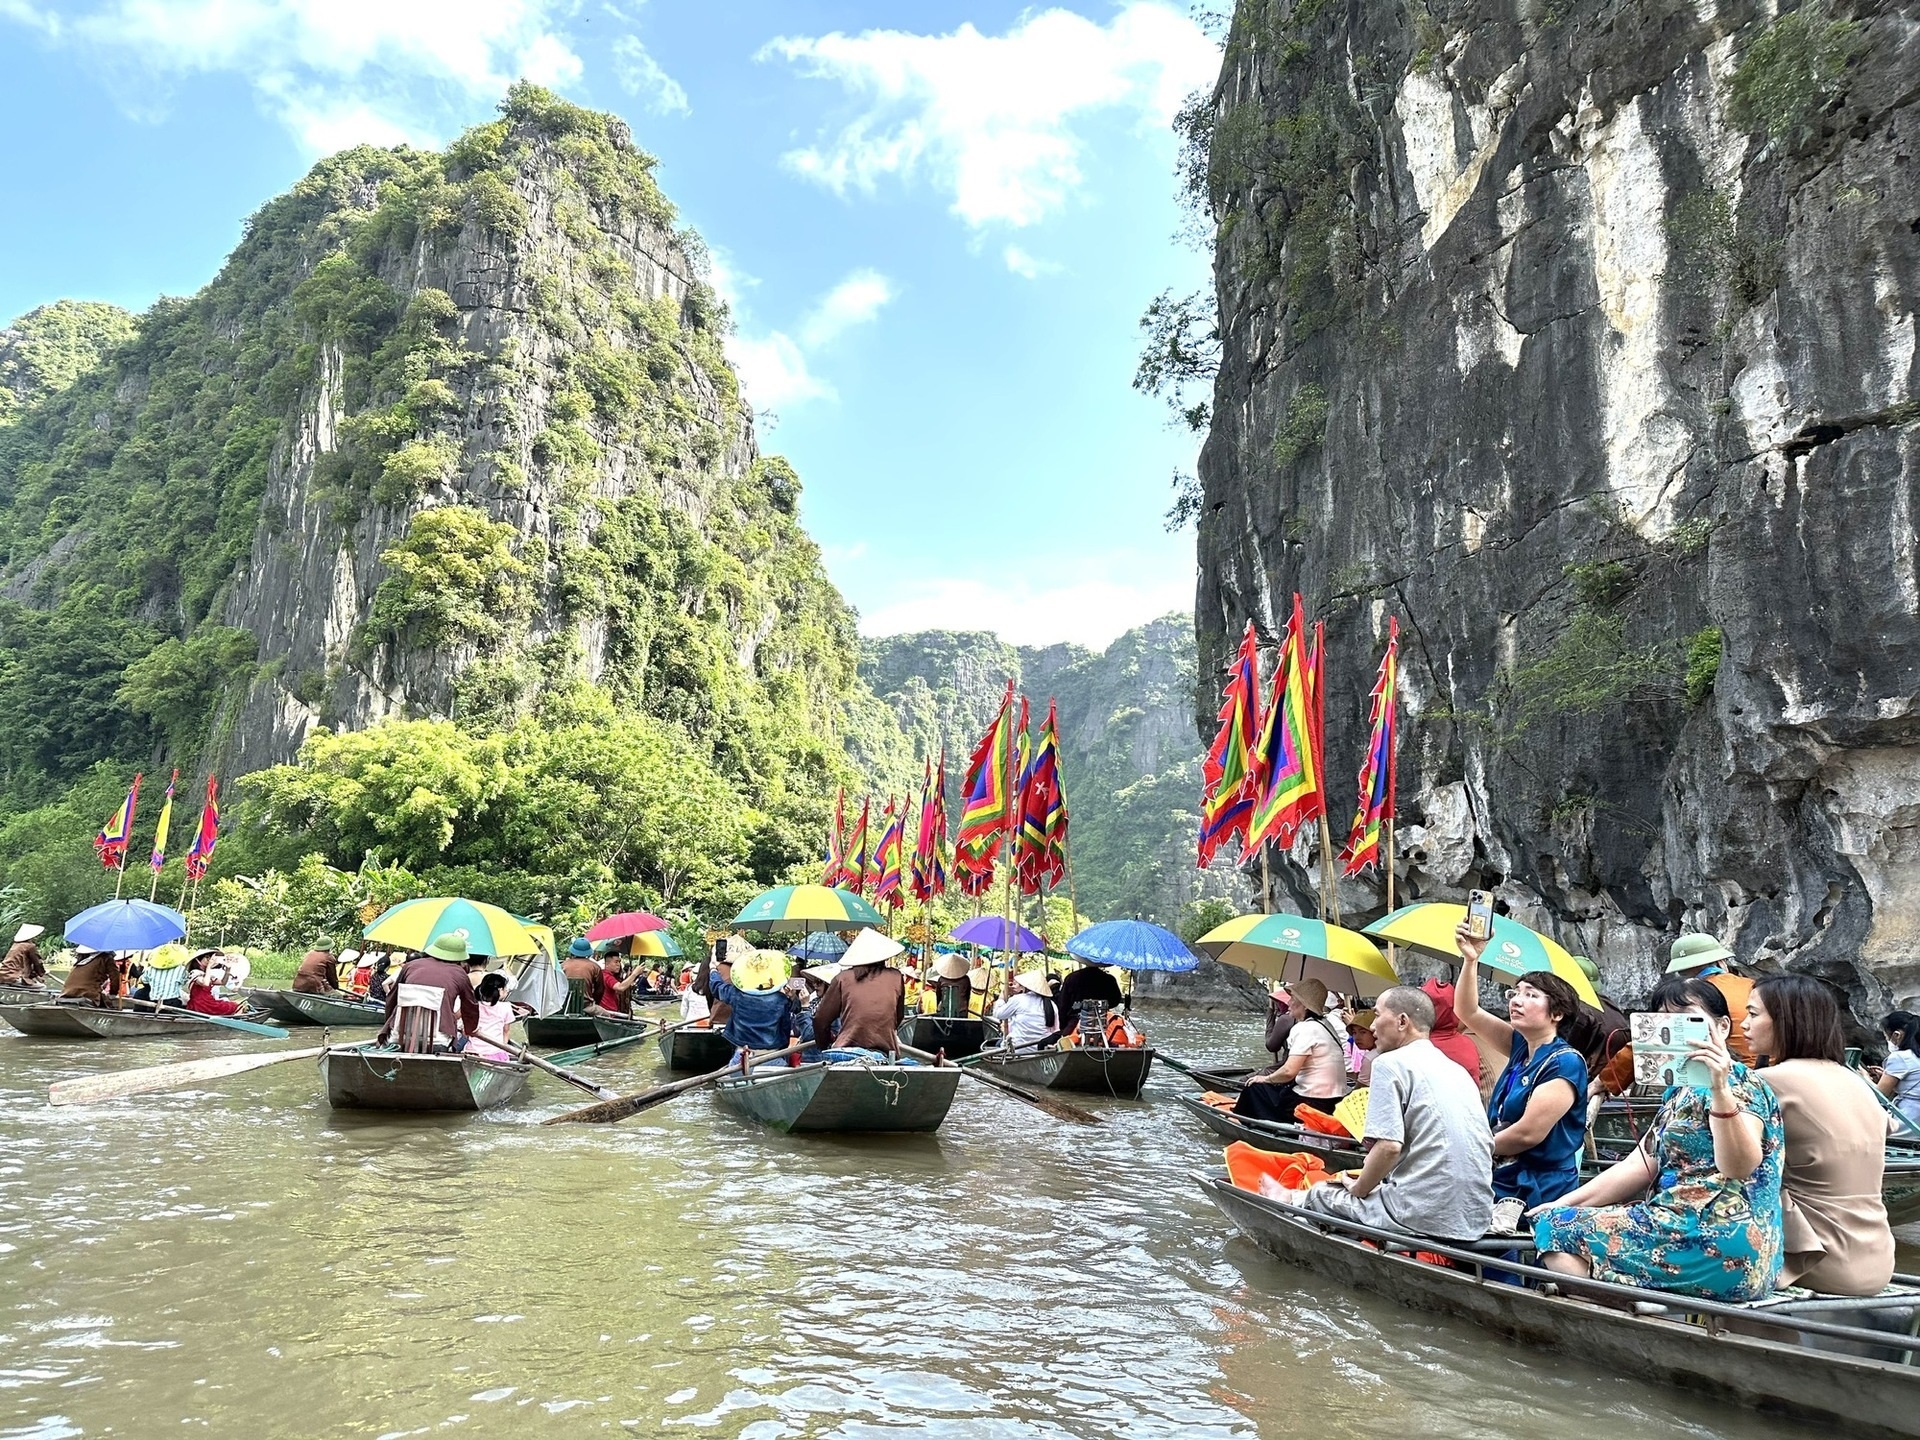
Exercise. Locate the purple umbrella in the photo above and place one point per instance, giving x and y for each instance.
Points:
(993, 932)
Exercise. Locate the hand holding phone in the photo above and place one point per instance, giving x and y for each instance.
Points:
(1480, 914)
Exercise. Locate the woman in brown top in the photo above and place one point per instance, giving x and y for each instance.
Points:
(318, 973)
(866, 1001)
(1837, 1240)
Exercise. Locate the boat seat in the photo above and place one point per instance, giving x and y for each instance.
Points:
(419, 1018)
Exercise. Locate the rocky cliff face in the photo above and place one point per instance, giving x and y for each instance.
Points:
(1581, 335)
(1128, 754)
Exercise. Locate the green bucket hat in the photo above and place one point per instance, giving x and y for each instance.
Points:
(1692, 952)
(451, 946)
(1588, 969)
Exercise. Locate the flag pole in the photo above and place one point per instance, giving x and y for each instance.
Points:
(1329, 881)
(1266, 881)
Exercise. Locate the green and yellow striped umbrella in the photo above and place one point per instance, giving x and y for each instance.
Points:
(1292, 947)
(654, 945)
(807, 907)
(416, 924)
(1514, 949)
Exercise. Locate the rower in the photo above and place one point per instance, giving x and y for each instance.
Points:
(1087, 982)
(23, 965)
(317, 974)
(444, 968)
(952, 991)
(585, 979)
(867, 1001)
(93, 977)
(1692, 957)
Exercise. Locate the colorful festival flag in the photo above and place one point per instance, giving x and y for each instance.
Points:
(973, 882)
(1040, 845)
(1290, 790)
(1377, 770)
(836, 856)
(858, 863)
(158, 859)
(207, 836)
(111, 842)
(927, 871)
(887, 886)
(987, 800)
(1226, 801)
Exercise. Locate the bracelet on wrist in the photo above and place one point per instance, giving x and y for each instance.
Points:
(1724, 1114)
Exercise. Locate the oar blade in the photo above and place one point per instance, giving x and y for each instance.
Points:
(92, 1089)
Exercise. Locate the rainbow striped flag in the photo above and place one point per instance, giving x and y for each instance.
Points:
(836, 856)
(1290, 790)
(111, 842)
(1040, 845)
(987, 806)
(158, 859)
(1226, 802)
(927, 871)
(887, 887)
(1377, 770)
(858, 864)
(200, 853)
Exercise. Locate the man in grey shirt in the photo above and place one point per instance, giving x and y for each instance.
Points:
(1429, 1168)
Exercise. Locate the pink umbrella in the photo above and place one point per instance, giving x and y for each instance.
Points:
(619, 927)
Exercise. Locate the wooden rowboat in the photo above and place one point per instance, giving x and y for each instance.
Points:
(88, 1022)
(1272, 1135)
(1819, 1357)
(606, 1029)
(270, 1004)
(813, 1099)
(695, 1049)
(561, 1032)
(1224, 1081)
(333, 1010)
(1088, 1069)
(360, 1079)
(959, 1037)
(26, 994)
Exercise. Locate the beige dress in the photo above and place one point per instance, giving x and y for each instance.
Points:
(1836, 1221)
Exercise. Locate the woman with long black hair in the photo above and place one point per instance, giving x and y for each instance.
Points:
(1899, 1078)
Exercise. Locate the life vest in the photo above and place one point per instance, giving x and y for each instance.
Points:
(1120, 1034)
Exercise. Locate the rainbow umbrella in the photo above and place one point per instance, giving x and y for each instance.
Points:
(654, 945)
(1293, 947)
(807, 907)
(1514, 949)
(416, 924)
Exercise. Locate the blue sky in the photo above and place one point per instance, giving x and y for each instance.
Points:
(938, 224)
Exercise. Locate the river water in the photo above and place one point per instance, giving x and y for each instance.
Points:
(242, 1261)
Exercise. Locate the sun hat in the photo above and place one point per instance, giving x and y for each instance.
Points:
(762, 970)
(870, 947)
(1036, 981)
(949, 967)
(580, 949)
(1691, 952)
(1588, 969)
(1311, 993)
(349, 957)
(823, 973)
(450, 946)
(28, 932)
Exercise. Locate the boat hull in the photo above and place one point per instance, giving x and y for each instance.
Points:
(842, 1099)
(391, 1080)
(1873, 1396)
(331, 1010)
(1088, 1071)
(605, 1029)
(959, 1038)
(273, 1005)
(560, 1032)
(696, 1051)
(1337, 1154)
(26, 994)
(86, 1022)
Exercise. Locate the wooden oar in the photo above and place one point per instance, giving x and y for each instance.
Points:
(610, 1111)
(89, 1089)
(520, 1052)
(1059, 1109)
(1184, 1069)
(271, 1032)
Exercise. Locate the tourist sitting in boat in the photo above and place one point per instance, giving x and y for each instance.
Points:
(23, 965)
(198, 986)
(317, 974)
(585, 979)
(1428, 1166)
(489, 1034)
(759, 1011)
(1279, 1022)
(951, 990)
(1899, 1077)
(377, 981)
(1696, 956)
(444, 967)
(1837, 1238)
(805, 989)
(1315, 1069)
(94, 977)
(616, 985)
(1711, 1226)
(358, 969)
(1600, 1033)
(1536, 1112)
(1088, 982)
(1027, 1015)
(1362, 1045)
(864, 1005)
(1447, 1036)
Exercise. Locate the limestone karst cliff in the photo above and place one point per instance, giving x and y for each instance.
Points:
(1582, 335)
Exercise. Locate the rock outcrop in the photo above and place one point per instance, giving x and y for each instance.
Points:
(1581, 335)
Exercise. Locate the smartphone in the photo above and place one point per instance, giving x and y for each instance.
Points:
(1480, 914)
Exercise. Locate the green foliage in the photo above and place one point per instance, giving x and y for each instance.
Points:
(174, 683)
(1599, 583)
(454, 577)
(1181, 354)
(497, 206)
(1197, 917)
(60, 703)
(1189, 499)
(1703, 664)
(1712, 256)
(1305, 426)
(1793, 70)
(47, 349)
(415, 467)
(1589, 668)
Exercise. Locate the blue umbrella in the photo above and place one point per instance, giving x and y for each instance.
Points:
(1132, 945)
(126, 925)
(822, 945)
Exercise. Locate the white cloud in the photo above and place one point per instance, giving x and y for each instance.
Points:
(854, 301)
(993, 119)
(641, 75)
(1026, 266)
(773, 371)
(333, 71)
(1089, 607)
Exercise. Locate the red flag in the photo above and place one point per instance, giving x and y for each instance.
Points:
(987, 803)
(887, 887)
(111, 842)
(855, 871)
(1228, 777)
(1039, 848)
(208, 835)
(1290, 790)
(1377, 770)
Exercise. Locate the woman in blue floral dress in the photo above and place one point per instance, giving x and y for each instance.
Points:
(1712, 1227)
